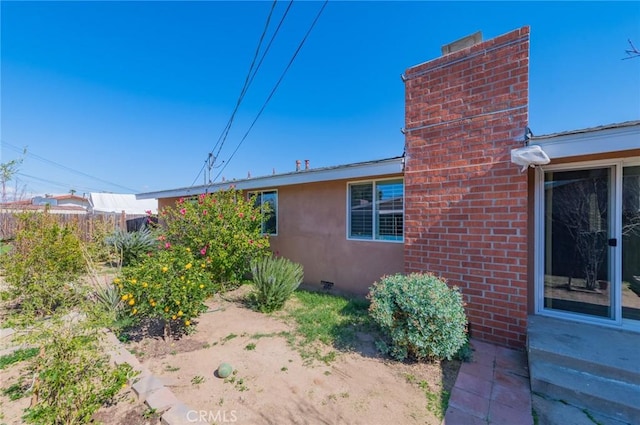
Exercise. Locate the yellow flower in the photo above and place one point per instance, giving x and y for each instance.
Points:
(153, 304)
(184, 287)
(202, 266)
(165, 269)
(187, 323)
(181, 277)
(180, 313)
(116, 280)
(201, 286)
(178, 302)
(188, 249)
(120, 286)
(173, 317)
(135, 310)
(132, 301)
(125, 297)
(144, 284)
(188, 266)
(166, 309)
(134, 281)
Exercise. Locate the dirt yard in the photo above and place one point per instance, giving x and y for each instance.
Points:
(274, 382)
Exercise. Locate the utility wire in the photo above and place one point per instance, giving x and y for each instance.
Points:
(243, 91)
(64, 167)
(274, 88)
(53, 183)
(247, 79)
(273, 37)
(252, 76)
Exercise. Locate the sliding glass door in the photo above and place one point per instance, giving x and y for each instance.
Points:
(579, 241)
(589, 252)
(631, 243)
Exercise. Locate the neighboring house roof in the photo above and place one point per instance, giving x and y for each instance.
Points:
(313, 175)
(119, 202)
(17, 203)
(70, 198)
(16, 207)
(56, 200)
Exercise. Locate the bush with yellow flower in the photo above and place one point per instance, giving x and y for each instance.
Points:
(171, 284)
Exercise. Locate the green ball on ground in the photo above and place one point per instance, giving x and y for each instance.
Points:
(224, 370)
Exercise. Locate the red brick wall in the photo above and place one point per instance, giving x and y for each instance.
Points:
(465, 203)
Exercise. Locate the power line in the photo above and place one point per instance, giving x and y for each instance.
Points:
(266, 50)
(274, 88)
(62, 185)
(64, 167)
(247, 79)
(243, 91)
(251, 78)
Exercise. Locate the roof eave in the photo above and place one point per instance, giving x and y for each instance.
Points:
(596, 140)
(350, 171)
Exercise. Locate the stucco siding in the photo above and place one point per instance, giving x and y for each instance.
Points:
(312, 230)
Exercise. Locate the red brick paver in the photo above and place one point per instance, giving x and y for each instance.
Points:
(491, 389)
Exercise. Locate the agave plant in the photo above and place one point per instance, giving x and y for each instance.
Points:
(108, 298)
(132, 246)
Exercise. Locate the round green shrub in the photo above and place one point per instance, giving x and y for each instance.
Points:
(420, 316)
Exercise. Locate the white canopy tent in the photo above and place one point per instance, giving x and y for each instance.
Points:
(119, 202)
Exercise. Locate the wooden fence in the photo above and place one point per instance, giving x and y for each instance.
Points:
(87, 224)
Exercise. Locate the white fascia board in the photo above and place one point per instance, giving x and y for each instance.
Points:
(351, 171)
(590, 142)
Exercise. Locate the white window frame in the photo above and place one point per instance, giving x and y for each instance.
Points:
(262, 224)
(374, 226)
(618, 164)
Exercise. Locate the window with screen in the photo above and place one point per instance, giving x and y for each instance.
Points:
(376, 210)
(268, 203)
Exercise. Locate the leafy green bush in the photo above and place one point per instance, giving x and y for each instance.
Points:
(171, 284)
(420, 315)
(131, 247)
(222, 227)
(73, 377)
(274, 279)
(45, 263)
(97, 247)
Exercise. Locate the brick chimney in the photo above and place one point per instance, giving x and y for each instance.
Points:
(298, 165)
(465, 203)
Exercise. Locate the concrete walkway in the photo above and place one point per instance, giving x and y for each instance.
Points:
(491, 389)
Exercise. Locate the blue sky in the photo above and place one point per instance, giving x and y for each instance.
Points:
(132, 96)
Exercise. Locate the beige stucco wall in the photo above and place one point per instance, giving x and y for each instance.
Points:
(312, 230)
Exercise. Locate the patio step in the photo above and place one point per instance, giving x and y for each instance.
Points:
(588, 366)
